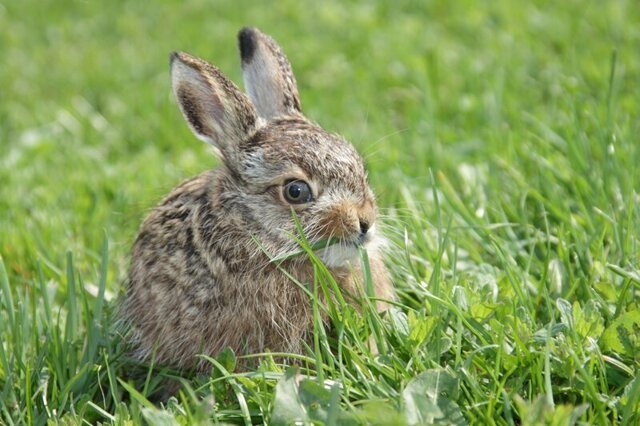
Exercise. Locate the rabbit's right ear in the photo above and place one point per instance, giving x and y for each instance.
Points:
(216, 110)
(267, 75)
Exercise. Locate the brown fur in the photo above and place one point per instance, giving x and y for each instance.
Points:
(198, 280)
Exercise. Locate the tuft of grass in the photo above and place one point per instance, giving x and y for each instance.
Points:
(502, 140)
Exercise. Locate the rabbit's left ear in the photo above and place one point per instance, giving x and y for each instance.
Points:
(215, 109)
(267, 75)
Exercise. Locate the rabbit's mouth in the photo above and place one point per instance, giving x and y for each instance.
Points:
(343, 251)
(339, 255)
(361, 240)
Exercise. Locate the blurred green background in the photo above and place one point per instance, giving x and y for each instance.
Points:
(502, 139)
(91, 138)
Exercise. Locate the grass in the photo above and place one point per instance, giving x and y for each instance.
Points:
(501, 138)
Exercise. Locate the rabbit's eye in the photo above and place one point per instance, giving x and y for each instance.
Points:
(297, 192)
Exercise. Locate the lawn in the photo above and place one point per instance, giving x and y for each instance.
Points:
(502, 141)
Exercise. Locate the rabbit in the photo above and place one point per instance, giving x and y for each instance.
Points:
(201, 277)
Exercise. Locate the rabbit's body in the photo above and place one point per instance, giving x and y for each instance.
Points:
(199, 281)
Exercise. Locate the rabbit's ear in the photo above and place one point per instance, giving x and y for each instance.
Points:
(216, 110)
(267, 75)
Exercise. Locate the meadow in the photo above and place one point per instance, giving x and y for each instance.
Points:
(501, 139)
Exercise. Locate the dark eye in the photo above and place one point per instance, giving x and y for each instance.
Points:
(297, 192)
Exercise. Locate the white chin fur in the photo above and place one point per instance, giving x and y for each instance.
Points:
(338, 255)
(341, 255)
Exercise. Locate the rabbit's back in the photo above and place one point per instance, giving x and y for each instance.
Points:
(170, 281)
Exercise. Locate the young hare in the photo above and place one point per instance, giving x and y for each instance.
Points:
(199, 281)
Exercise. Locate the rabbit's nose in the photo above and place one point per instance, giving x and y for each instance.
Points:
(364, 226)
(366, 216)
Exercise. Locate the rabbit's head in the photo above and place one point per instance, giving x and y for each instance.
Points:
(275, 159)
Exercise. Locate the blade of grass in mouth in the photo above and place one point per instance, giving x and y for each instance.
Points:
(315, 246)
